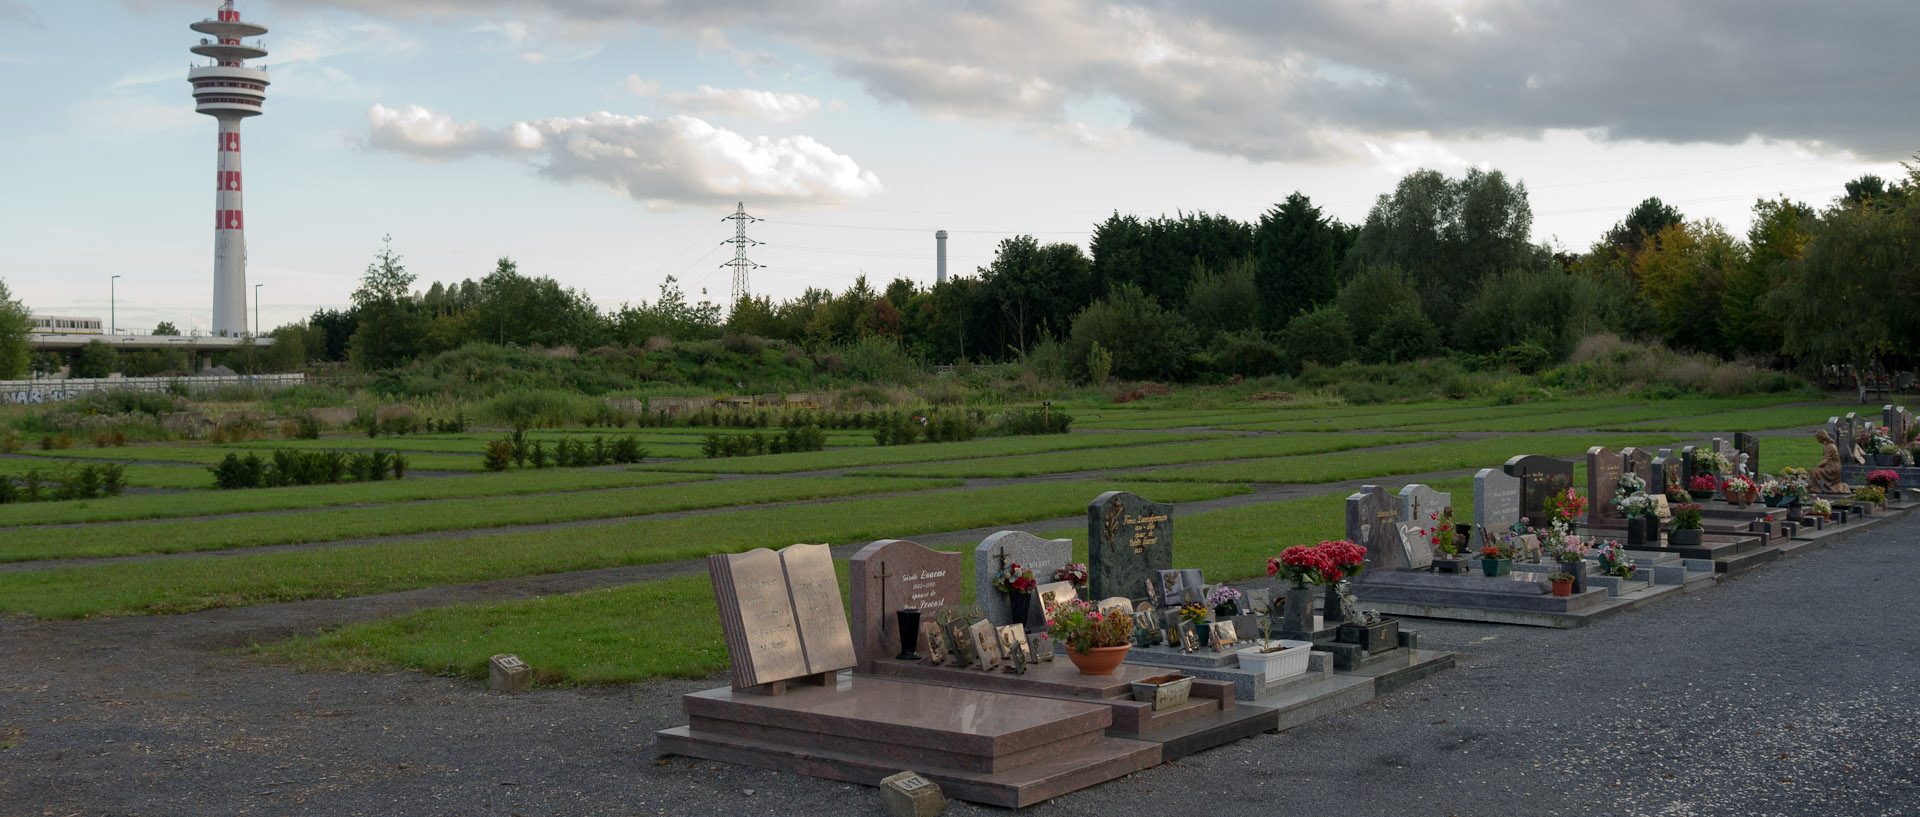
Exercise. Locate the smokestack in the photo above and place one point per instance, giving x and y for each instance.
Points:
(940, 273)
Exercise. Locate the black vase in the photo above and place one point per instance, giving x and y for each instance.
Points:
(1018, 604)
(909, 620)
(1636, 532)
(1330, 611)
(1579, 572)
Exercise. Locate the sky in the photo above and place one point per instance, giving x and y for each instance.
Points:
(602, 142)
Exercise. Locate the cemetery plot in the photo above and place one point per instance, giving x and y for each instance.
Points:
(1751, 419)
(1147, 455)
(1398, 416)
(918, 452)
(1445, 456)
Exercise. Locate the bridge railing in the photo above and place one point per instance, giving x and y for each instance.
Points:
(57, 390)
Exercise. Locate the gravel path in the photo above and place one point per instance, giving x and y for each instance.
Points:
(1786, 691)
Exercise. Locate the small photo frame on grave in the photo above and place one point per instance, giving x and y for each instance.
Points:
(1042, 646)
(1259, 601)
(986, 643)
(1529, 547)
(1112, 603)
(1154, 596)
(1146, 627)
(1189, 637)
(1052, 595)
(936, 643)
(1013, 645)
(1223, 636)
(959, 641)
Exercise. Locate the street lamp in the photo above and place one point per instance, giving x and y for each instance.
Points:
(113, 321)
(256, 309)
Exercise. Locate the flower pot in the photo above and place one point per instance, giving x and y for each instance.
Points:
(1690, 537)
(1446, 564)
(1496, 567)
(1226, 611)
(1700, 496)
(1098, 660)
(1780, 501)
(1286, 662)
(1650, 525)
(1563, 588)
(1297, 615)
(1019, 604)
(1330, 607)
(1164, 691)
(1887, 460)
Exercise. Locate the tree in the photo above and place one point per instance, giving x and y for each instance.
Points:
(1320, 337)
(16, 323)
(1833, 302)
(390, 330)
(166, 329)
(1448, 234)
(1371, 296)
(1780, 232)
(1683, 272)
(1036, 288)
(335, 329)
(1224, 301)
(1298, 252)
(1146, 340)
(1644, 221)
(96, 359)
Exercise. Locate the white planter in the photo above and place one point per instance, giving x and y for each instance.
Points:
(1284, 663)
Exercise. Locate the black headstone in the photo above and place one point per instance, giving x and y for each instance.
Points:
(1540, 477)
(1373, 522)
(1749, 445)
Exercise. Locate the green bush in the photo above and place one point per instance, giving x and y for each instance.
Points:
(1321, 337)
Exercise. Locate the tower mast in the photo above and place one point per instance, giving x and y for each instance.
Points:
(228, 91)
(740, 243)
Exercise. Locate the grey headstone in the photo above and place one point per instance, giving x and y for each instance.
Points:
(1042, 556)
(1419, 503)
(1603, 480)
(1496, 501)
(1415, 546)
(1687, 469)
(507, 673)
(1657, 475)
(1129, 541)
(911, 794)
(1373, 522)
(1540, 477)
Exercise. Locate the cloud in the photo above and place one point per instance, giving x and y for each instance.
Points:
(16, 13)
(642, 87)
(663, 163)
(1316, 80)
(770, 106)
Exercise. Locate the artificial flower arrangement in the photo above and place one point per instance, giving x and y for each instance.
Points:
(1081, 627)
(1567, 506)
(1500, 551)
(1014, 579)
(1195, 612)
(1635, 506)
(1441, 534)
(1820, 507)
(1713, 461)
(1324, 563)
(1075, 572)
(1883, 479)
(1879, 440)
(1630, 483)
(1871, 494)
(1740, 484)
(1677, 494)
(1799, 483)
(1613, 560)
(1703, 482)
(1688, 516)
(1224, 600)
(1559, 541)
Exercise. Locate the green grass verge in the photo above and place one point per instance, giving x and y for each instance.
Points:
(144, 476)
(1402, 415)
(184, 585)
(225, 533)
(1148, 455)
(920, 452)
(172, 506)
(209, 455)
(1810, 417)
(1552, 420)
(1438, 457)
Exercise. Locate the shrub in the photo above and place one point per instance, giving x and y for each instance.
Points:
(498, 456)
(1319, 337)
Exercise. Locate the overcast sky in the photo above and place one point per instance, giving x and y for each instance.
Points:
(600, 142)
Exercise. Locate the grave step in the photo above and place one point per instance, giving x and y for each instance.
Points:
(1060, 680)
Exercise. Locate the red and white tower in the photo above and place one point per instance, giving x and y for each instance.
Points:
(229, 92)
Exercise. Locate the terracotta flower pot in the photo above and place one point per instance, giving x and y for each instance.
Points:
(1563, 589)
(1099, 660)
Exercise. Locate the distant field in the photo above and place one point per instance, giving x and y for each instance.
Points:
(1554, 420)
(918, 452)
(210, 455)
(1764, 419)
(1446, 456)
(1139, 456)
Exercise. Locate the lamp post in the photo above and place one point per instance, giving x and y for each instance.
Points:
(256, 309)
(113, 320)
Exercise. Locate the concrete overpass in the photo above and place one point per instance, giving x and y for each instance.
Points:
(199, 349)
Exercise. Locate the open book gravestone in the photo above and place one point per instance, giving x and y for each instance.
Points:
(891, 575)
(781, 615)
(1496, 505)
(1540, 478)
(1418, 505)
(1042, 556)
(1603, 479)
(1129, 541)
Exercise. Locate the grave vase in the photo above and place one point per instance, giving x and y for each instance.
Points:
(909, 621)
(1297, 615)
(1886, 460)
(1496, 567)
(1578, 570)
(1636, 532)
(1018, 604)
(1689, 537)
(1330, 611)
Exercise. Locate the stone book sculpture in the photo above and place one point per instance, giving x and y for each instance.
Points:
(781, 615)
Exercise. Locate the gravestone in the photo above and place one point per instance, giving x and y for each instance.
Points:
(1540, 477)
(1749, 445)
(1419, 503)
(1895, 419)
(1373, 522)
(1129, 541)
(1687, 469)
(891, 575)
(1416, 546)
(507, 673)
(1496, 502)
(1657, 478)
(1042, 556)
(781, 615)
(1851, 426)
(908, 794)
(1603, 479)
(1638, 462)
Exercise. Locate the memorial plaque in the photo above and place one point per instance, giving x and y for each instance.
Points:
(1260, 600)
(1661, 508)
(1174, 584)
(1416, 546)
(1051, 595)
(1223, 636)
(935, 641)
(985, 641)
(1420, 505)
(817, 608)
(1603, 480)
(1639, 462)
(1373, 522)
(1042, 556)
(756, 614)
(892, 575)
(1527, 546)
(1496, 501)
(1540, 477)
(1129, 540)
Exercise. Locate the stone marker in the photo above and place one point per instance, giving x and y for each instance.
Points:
(894, 574)
(508, 674)
(1662, 463)
(1540, 477)
(1129, 540)
(1419, 503)
(781, 614)
(1373, 519)
(908, 794)
(1638, 462)
(1042, 556)
(1603, 479)
(1415, 546)
(1496, 502)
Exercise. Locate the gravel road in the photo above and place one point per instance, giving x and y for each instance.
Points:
(1786, 691)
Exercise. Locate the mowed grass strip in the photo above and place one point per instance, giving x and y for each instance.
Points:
(1415, 460)
(210, 455)
(185, 585)
(212, 503)
(918, 452)
(1148, 455)
(1763, 419)
(143, 476)
(671, 628)
(1552, 420)
(24, 544)
(1402, 415)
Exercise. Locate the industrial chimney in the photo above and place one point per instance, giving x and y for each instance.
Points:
(940, 272)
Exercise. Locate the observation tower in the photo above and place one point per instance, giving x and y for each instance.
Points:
(229, 92)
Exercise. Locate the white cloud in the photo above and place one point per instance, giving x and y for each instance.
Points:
(770, 106)
(664, 163)
(16, 13)
(642, 87)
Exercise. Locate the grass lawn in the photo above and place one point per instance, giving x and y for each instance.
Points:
(1552, 420)
(209, 455)
(144, 476)
(187, 584)
(1397, 415)
(167, 506)
(222, 533)
(1491, 453)
(918, 452)
(1810, 417)
(1146, 455)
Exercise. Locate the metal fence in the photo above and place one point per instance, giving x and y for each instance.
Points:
(56, 390)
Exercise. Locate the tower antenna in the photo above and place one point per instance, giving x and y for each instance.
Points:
(228, 91)
(741, 266)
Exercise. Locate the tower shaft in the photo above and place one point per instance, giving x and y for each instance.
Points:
(741, 266)
(229, 236)
(229, 91)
